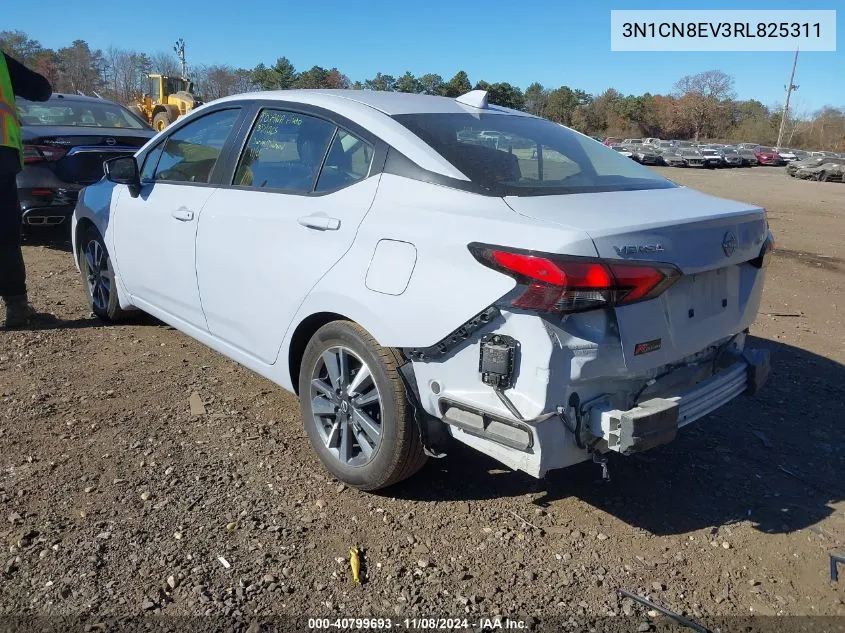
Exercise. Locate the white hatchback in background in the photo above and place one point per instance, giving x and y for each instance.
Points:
(540, 298)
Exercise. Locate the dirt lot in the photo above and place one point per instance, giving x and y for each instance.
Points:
(116, 501)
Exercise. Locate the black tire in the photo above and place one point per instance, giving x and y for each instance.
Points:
(105, 304)
(399, 452)
(161, 121)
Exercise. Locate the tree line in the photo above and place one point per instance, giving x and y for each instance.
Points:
(700, 106)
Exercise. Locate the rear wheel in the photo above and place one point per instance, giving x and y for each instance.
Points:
(98, 277)
(161, 121)
(355, 409)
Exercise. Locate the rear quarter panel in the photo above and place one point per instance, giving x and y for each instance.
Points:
(447, 286)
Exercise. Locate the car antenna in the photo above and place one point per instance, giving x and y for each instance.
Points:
(474, 99)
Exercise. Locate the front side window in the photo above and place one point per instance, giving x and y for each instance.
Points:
(514, 155)
(285, 151)
(191, 152)
(148, 169)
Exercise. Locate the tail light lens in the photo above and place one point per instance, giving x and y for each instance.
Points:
(555, 283)
(765, 256)
(42, 153)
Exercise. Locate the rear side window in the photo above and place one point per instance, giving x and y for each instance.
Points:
(190, 153)
(347, 162)
(285, 151)
(513, 155)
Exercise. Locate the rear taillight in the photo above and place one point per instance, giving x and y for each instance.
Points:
(556, 283)
(762, 260)
(42, 153)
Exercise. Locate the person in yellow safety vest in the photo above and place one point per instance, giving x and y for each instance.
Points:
(15, 80)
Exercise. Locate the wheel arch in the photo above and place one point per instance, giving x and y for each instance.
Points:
(82, 225)
(299, 341)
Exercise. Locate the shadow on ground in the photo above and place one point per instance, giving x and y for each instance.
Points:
(775, 459)
(54, 237)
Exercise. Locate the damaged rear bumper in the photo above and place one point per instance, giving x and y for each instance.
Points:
(546, 443)
(656, 421)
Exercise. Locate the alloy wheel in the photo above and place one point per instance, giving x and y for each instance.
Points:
(97, 275)
(346, 406)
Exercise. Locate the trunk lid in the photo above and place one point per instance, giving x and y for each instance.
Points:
(710, 240)
(86, 148)
(689, 227)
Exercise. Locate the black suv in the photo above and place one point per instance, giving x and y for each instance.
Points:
(66, 140)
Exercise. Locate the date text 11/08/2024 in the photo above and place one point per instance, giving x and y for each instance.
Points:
(423, 623)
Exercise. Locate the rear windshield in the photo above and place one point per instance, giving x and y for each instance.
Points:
(77, 113)
(512, 155)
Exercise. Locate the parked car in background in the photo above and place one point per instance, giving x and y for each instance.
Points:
(691, 157)
(827, 171)
(748, 145)
(800, 154)
(712, 158)
(593, 306)
(612, 140)
(66, 139)
(646, 155)
(749, 158)
(623, 149)
(811, 163)
(731, 157)
(672, 158)
(786, 154)
(768, 156)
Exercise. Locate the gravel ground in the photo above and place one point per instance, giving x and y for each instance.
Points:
(118, 499)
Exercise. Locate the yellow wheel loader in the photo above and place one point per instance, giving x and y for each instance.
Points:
(166, 100)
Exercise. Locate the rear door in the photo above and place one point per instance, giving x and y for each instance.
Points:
(299, 190)
(155, 232)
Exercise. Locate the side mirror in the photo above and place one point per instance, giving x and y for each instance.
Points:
(124, 171)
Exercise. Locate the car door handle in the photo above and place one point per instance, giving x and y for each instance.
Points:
(182, 214)
(319, 222)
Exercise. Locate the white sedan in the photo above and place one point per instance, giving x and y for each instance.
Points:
(542, 298)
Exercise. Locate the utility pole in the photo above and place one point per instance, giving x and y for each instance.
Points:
(179, 49)
(789, 90)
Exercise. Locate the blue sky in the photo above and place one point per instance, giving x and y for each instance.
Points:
(554, 42)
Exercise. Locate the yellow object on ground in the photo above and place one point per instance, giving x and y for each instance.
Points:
(355, 563)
